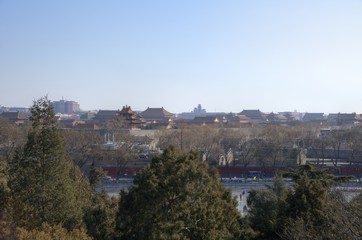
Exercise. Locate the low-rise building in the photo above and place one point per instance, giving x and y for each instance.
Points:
(344, 118)
(17, 117)
(157, 117)
(313, 117)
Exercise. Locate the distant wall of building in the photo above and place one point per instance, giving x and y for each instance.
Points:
(64, 106)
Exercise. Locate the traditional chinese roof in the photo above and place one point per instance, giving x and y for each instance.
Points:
(127, 109)
(276, 117)
(156, 113)
(89, 124)
(128, 114)
(311, 117)
(105, 115)
(252, 114)
(13, 116)
(344, 118)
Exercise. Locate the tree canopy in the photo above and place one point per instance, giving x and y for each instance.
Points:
(45, 185)
(177, 197)
(310, 209)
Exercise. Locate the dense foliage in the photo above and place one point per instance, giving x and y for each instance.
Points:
(177, 197)
(43, 180)
(311, 209)
(48, 232)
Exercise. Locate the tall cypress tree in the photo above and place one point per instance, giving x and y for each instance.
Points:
(43, 178)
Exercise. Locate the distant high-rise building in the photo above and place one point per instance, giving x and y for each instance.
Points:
(59, 106)
(71, 107)
(199, 110)
(66, 107)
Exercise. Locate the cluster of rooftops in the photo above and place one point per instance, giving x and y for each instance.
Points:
(160, 117)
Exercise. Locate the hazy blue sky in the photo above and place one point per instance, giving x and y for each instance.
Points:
(227, 55)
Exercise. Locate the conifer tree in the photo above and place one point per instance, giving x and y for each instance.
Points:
(266, 211)
(310, 209)
(4, 202)
(309, 206)
(48, 232)
(177, 197)
(46, 187)
(100, 216)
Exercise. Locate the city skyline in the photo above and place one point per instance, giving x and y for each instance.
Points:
(227, 55)
(194, 110)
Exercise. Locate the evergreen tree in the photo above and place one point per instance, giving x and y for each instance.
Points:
(266, 212)
(101, 214)
(177, 197)
(10, 137)
(95, 175)
(310, 208)
(4, 202)
(48, 232)
(45, 185)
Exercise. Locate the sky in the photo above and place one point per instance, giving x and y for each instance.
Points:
(227, 55)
